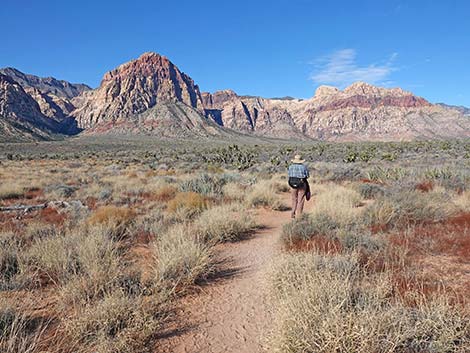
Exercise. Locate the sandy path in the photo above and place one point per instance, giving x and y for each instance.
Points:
(230, 314)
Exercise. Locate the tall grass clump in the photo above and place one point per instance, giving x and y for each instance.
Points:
(180, 259)
(116, 323)
(187, 205)
(204, 184)
(326, 304)
(19, 333)
(9, 260)
(337, 203)
(264, 194)
(116, 220)
(407, 207)
(224, 223)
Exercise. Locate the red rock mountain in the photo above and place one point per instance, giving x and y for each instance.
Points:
(360, 112)
(150, 95)
(136, 87)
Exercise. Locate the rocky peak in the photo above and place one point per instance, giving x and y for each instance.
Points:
(135, 87)
(217, 99)
(326, 91)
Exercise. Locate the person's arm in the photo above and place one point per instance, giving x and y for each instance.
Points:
(307, 172)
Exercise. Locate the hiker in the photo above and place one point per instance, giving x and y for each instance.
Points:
(298, 174)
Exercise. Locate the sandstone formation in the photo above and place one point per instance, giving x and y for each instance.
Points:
(134, 88)
(150, 95)
(359, 112)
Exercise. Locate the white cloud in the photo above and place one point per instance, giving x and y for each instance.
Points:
(341, 69)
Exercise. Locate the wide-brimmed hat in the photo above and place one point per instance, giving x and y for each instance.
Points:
(298, 159)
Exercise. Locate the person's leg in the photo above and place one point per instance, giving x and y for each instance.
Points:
(301, 199)
(294, 193)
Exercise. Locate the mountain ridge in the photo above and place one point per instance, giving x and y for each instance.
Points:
(150, 95)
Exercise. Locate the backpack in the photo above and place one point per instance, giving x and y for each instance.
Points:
(296, 183)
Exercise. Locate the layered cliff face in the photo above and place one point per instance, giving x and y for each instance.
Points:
(366, 112)
(250, 114)
(359, 112)
(134, 88)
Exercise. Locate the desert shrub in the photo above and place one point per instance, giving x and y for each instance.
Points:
(204, 184)
(180, 260)
(116, 323)
(224, 223)
(264, 194)
(325, 304)
(18, 333)
(408, 207)
(187, 205)
(99, 268)
(115, 219)
(369, 191)
(59, 191)
(358, 239)
(308, 226)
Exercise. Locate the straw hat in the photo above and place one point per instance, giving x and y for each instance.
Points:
(298, 159)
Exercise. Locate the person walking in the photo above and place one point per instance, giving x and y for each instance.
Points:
(298, 175)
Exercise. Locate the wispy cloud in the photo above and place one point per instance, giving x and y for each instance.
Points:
(341, 69)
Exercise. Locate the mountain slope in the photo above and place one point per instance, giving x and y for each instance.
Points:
(59, 88)
(20, 114)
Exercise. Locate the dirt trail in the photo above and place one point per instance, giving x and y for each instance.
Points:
(230, 314)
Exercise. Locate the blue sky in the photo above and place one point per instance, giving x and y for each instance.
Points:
(268, 48)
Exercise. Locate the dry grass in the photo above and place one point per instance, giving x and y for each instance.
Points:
(117, 220)
(338, 203)
(180, 259)
(187, 205)
(462, 201)
(12, 190)
(264, 194)
(116, 323)
(234, 191)
(224, 223)
(19, 333)
(409, 207)
(327, 304)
